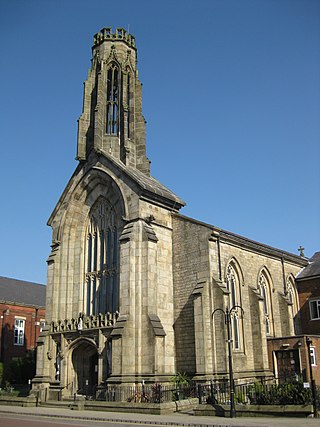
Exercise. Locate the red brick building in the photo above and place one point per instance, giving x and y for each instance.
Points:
(289, 358)
(289, 355)
(308, 285)
(22, 315)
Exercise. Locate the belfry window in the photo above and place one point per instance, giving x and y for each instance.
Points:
(102, 271)
(128, 104)
(232, 283)
(265, 293)
(112, 127)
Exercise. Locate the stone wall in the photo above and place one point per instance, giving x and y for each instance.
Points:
(201, 255)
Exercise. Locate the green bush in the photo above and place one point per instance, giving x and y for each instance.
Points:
(282, 394)
(180, 379)
(20, 370)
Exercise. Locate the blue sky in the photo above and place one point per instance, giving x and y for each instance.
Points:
(231, 95)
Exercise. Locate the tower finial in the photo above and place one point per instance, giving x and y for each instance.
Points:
(301, 250)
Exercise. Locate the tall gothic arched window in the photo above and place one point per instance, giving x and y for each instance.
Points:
(113, 77)
(232, 282)
(292, 295)
(102, 265)
(264, 289)
(293, 298)
(128, 104)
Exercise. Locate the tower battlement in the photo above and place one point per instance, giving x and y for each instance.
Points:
(119, 35)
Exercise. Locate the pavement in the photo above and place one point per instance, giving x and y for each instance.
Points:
(176, 419)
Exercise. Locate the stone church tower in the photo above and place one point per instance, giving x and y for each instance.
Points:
(132, 284)
(112, 242)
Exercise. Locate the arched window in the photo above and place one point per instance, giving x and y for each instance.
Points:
(293, 298)
(292, 295)
(264, 289)
(112, 127)
(232, 282)
(102, 269)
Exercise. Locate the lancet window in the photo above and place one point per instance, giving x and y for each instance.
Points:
(264, 289)
(232, 282)
(113, 77)
(102, 266)
(128, 104)
(293, 298)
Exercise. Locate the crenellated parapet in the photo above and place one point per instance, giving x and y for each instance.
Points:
(85, 322)
(119, 35)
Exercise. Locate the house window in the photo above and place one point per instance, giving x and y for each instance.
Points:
(313, 356)
(314, 309)
(19, 325)
(42, 324)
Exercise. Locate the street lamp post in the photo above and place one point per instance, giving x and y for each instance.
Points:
(227, 319)
(312, 381)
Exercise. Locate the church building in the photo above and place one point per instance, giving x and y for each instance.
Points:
(133, 286)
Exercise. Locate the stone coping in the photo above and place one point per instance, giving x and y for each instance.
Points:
(255, 410)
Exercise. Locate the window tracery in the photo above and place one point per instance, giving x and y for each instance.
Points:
(292, 295)
(232, 282)
(293, 299)
(264, 289)
(102, 271)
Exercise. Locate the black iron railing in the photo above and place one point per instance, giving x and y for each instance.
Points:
(153, 393)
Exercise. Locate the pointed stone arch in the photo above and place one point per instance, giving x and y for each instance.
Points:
(236, 265)
(292, 291)
(265, 288)
(293, 299)
(72, 213)
(234, 282)
(83, 360)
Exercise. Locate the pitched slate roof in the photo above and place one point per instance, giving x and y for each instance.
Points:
(22, 293)
(149, 186)
(311, 270)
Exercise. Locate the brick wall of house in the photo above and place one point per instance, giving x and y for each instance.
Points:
(308, 290)
(9, 313)
(295, 347)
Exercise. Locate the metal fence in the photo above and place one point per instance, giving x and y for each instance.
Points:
(215, 392)
(153, 393)
(256, 393)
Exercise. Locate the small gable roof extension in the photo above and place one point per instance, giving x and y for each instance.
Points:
(312, 270)
(20, 292)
